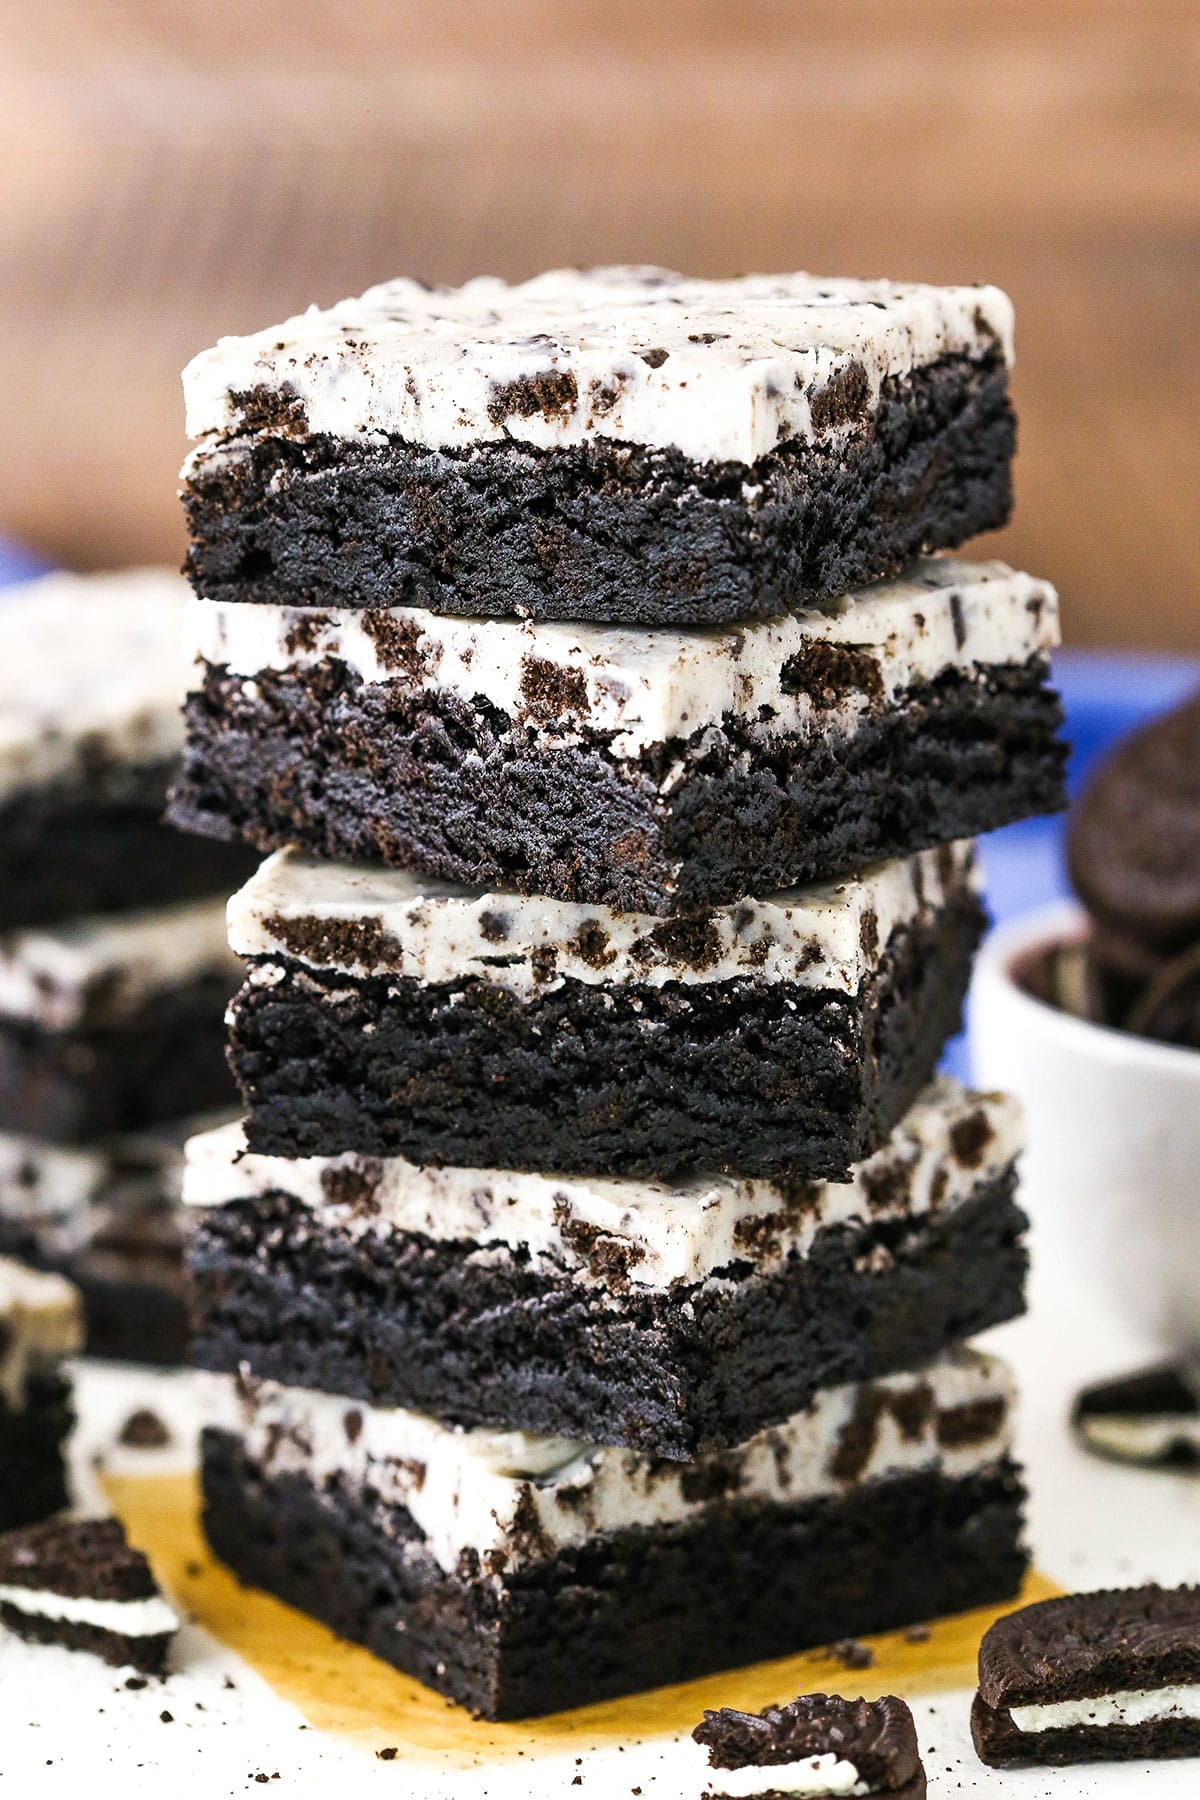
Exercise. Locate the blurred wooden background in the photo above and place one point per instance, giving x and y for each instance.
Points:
(173, 169)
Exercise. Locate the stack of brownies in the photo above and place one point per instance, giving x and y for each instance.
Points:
(595, 1258)
(114, 970)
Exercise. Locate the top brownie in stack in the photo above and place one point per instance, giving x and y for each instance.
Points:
(90, 679)
(615, 445)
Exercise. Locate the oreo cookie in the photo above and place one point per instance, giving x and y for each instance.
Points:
(1133, 847)
(1133, 852)
(1108, 1676)
(1151, 1418)
(819, 1744)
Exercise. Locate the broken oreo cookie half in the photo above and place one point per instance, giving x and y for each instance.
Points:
(1151, 1418)
(819, 1744)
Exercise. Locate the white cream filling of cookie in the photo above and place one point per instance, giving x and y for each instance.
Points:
(130, 1618)
(828, 935)
(659, 1234)
(527, 1496)
(41, 1321)
(1126, 1706)
(91, 667)
(733, 368)
(54, 976)
(644, 688)
(810, 1779)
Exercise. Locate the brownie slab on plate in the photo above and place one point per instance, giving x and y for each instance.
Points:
(91, 672)
(1100, 1677)
(779, 1036)
(650, 771)
(615, 444)
(522, 1575)
(41, 1323)
(113, 1023)
(621, 1312)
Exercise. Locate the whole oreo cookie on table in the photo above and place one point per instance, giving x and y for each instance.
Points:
(1107, 1676)
(816, 1745)
(1134, 857)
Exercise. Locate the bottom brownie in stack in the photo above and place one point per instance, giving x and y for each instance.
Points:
(523, 1574)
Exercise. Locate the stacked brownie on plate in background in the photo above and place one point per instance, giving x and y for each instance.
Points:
(114, 971)
(596, 1254)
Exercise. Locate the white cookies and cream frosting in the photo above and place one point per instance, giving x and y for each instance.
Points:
(103, 967)
(1126, 1706)
(808, 673)
(812, 1778)
(719, 370)
(361, 921)
(521, 1498)
(149, 1617)
(41, 1321)
(92, 673)
(660, 1234)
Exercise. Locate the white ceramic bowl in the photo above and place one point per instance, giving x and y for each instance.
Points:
(1111, 1176)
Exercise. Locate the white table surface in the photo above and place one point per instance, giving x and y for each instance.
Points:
(68, 1724)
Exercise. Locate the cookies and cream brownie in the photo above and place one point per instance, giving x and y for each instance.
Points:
(813, 1747)
(41, 1323)
(80, 1584)
(621, 1312)
(91, 677)
(617, 444)
(107, 1216)
(783, 1035)
(1095, 1677)
(523, 1574)
(652, 771)
(112, 1023)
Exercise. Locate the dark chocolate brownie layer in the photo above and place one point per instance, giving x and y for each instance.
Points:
(372, 773)
(627, 1610)
(495, 1340)
(758, 1078)
(68, 850)
(605, 531)
(33, 1478)
(163, 1061)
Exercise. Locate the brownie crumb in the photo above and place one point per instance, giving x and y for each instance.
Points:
(144, 1430)
(134, 1682)
(167, 1718)
(389, 1753)
(852, 1654)
(917, 1634)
